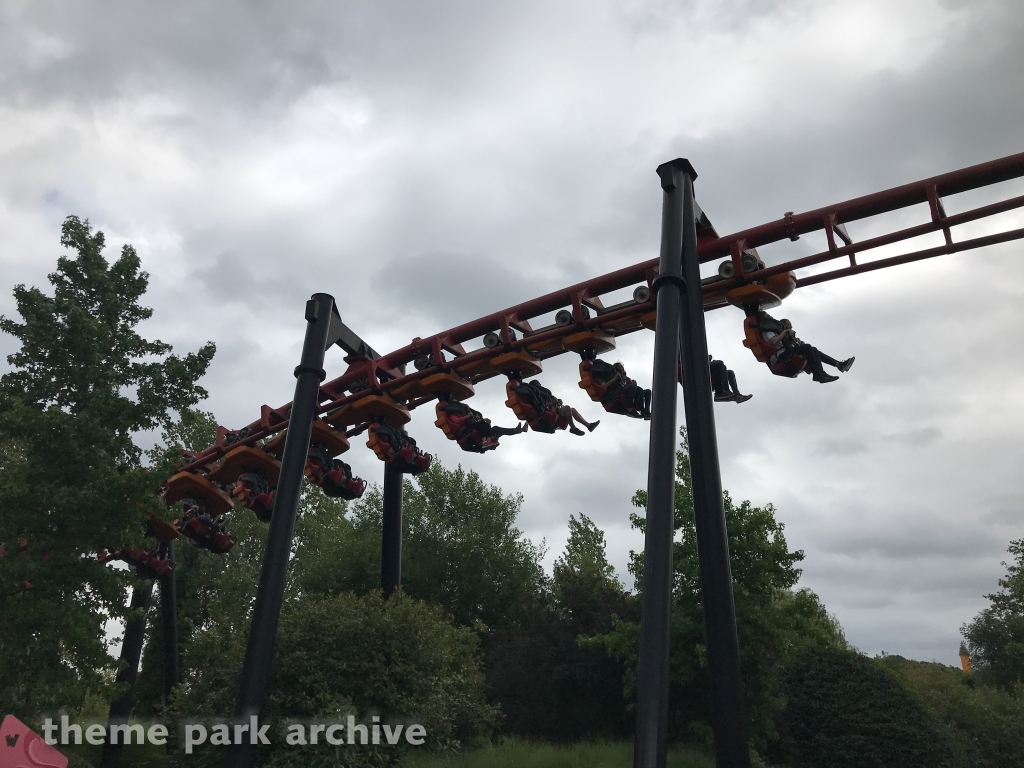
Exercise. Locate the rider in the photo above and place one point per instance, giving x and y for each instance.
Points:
(787, 346)
(723, 381)
(552, 414)
(626, 391)
(474, 432)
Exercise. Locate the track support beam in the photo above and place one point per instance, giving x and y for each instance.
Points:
(169, 626)
(309, 374)
(131, 654)
(652, 674)
(391, 532)
(731, 748)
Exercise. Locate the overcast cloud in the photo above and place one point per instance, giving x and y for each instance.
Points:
(429, 162)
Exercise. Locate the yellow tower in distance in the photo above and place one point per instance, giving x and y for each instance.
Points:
(965, 659)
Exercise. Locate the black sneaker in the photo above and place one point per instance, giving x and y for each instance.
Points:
(846, 364)
(741, 398)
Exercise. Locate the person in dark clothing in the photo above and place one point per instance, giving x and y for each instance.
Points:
(621, 394)
(472, 430)
(547, 412)
(723, 381)
(789, 348)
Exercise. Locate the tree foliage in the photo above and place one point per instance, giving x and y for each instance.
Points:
(995, 637)
(460, 547)
(549, 681)
(83, 384)
(774, 622)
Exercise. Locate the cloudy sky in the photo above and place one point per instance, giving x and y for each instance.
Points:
(429, 162)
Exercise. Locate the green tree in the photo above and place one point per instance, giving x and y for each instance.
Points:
(584, 584)
(553, 683)
(83, 386)
(774, 622)
(460, 547)
(995, 637)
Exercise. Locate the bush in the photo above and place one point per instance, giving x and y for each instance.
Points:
(551, 687)
(984, 724)
(549, 681)
(847, 711)
(399, 659)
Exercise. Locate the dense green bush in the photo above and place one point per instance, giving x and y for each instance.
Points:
(399, 659)
(984, 724)
(844, 710)
(550, 683)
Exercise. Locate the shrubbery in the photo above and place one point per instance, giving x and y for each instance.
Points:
(550, 683)
(400, 659)
(844, 710)
(983, 724)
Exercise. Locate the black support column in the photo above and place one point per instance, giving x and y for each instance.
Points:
(169, 625)
(652, 674)
(131, 654)
(391, 532)
(309, 374)
(731, 748)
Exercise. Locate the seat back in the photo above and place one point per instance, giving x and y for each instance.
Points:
(755, 342)
(593, 388)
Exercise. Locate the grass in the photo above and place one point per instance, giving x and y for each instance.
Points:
(512, 753)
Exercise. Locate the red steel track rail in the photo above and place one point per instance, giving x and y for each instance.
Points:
(583, 300)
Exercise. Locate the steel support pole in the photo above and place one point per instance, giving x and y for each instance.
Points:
(169, 616)
(131, 654)
(652, 674)
(252, 692)
(391, 532)
(731, 748)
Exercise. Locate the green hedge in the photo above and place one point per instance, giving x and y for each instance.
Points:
(844, 710)
(399, 659)
(984, 724)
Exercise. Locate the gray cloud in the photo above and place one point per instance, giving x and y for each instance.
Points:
(427, 164)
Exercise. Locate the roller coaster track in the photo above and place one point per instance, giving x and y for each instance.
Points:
(580, 308)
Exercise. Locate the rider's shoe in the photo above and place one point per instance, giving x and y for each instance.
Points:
(846, 364)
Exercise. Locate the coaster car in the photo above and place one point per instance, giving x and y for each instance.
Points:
(593, 342)
(612, 390)
(333, 440)
(254, 474)
(246, 460)
(147, 563)
(466, 426)
(754, 340)
(394, 446)
(536, 405)
(370, 408)
(333, 476)
(443, 384)
(521, 363)
(188, 485)
(254, 492)
(204, 530)
(160, 530)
